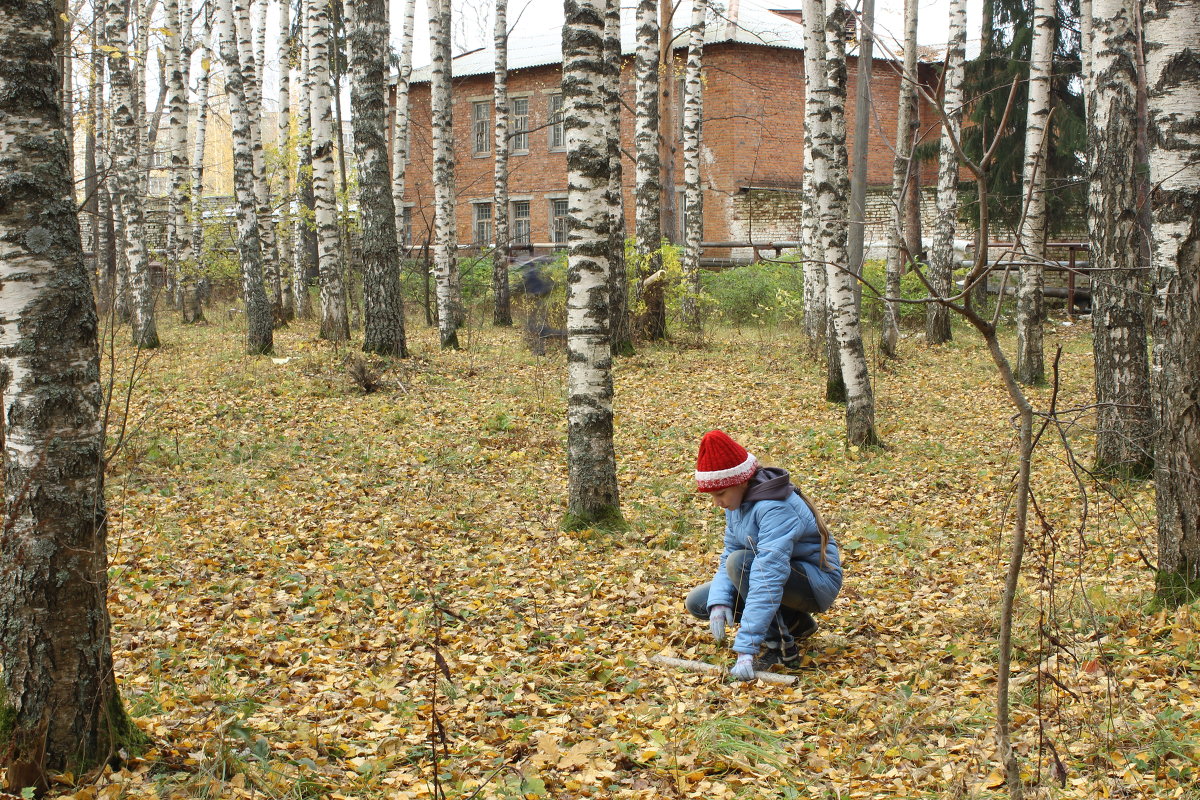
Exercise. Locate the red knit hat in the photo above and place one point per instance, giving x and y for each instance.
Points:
(722, 463)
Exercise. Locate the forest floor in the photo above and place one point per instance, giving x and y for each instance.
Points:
(320, 593)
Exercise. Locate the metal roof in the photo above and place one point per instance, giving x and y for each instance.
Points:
(747, 22)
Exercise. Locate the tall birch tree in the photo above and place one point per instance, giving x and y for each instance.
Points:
(502, 311)
(647, 195)
(335, 321)
(445, 264)
(906, 132)
(833, 187)
(190, 280)
(259, 321)
(816, 307)
(1031, 235)
(304, 234)
(941, 263)
(59, 704)
(1124, 428)
(400, 133)
(383, 307)
(619, 327)
(126, 169)
(179, 57)
(693, 106)
(288, 264)
(1173, 77)
(593, 495)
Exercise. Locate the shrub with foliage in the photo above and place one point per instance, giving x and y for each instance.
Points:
(769, 292)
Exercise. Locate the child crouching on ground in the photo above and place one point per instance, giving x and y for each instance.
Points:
(779, 564)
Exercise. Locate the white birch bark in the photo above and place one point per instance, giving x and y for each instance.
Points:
(383, 308)
(648, 191)
(833, 187)
(816, 307)
(179, 56)
(1123, 425)
(400, 129)
(1171, 30)
(501, 310)
(449, 304)
(251, 72)
(259, 321)
(905, 141)
(693, 106)
(941, 266)
(1031, 236)
(1085, 50)
(58, 696)
(126, 185)
(591, 461)
(191, 295)
(335, 322)
(619, 327)
(287, 252)
(304, 228)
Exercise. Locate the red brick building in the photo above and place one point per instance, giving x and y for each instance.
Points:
(752, 149)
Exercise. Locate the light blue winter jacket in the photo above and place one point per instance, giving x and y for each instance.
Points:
(776, 525)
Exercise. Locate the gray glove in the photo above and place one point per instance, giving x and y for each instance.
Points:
(743, 670)
(718, 618)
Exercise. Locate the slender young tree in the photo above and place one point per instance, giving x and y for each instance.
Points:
(593, 495)
(400, 130)
(190, 285)
(622, 342)
(179, 57)
(127, 192)
(502, 311)
(304, 232)
(259, 322)
(648, 192)
(446, 267)
(1124, 429)
(862, 132)
(906, 133)
(833, 187)
(1031, 235)
(1173, 78)
(287, 250)
(59, 705)
(816, 308)
(941, 262)
(383, 307)
(335, 321)
(693, 105)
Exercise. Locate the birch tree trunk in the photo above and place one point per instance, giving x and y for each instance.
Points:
(93, 150)
(648, 192)
(816, 308)
(1032, 234)
(400, 131)
(58, 696)
(863, 103)
(445, 266)
(179, 56)
(1124, 428)
(833, 187)
(383, 308)
(941, 265)
(620, 331)
(901, 170)
(285, 142)
(335, 322)
(1171, 28)
(693, 106)
(1085, 50)
(304, 232)
(591, 461)
(259, 322)
(502, 312)
(251, 78)
(191, 275)
(127, 193)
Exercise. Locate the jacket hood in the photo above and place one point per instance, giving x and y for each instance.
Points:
(769, 483)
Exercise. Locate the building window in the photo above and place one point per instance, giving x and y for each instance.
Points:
(520, 124)
(520, 222)
(483, 224)
(406, 226)
(558, 222)
(558, 136)
(481, 125)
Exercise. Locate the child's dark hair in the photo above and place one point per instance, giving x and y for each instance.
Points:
(821, 526)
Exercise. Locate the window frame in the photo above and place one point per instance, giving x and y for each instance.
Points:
(554, 116)
(518, 136)
(481, 128)
(487, 221)
(521, 238)
(554, 221)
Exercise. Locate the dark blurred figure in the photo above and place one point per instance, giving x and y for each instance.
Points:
(538, 286)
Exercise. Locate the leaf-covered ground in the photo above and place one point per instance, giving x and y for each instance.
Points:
(320, 593)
